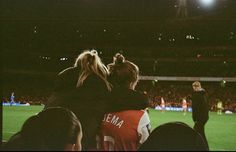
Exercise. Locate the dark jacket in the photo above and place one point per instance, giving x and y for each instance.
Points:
(200, 107)
(88, 101)
(122, 98)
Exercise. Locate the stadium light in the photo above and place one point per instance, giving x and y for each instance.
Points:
(207, 2)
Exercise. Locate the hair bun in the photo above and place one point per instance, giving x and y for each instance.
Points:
(119, 58)
(94, 51)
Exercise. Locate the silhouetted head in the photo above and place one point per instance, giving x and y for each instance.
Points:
(174, 136)
(123, 72)
(50, 130)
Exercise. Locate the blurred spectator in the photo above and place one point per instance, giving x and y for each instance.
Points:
(54, 129)
(174, 136)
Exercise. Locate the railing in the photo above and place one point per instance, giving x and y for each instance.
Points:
(208, 79)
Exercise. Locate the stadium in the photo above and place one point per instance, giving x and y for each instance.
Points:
(173, 42)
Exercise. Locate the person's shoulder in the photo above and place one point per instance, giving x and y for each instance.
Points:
(68, 74)
(94, 79)
(129, 94)
(202, 91)
(127, 99)
(68, 70)
(138, 95)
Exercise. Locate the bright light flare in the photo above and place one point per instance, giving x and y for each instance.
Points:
(207, 2)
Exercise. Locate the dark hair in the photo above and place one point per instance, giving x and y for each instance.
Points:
(122, 71)
(50, 129)
(174, 136)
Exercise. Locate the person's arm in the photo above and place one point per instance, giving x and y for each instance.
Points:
(195, 107)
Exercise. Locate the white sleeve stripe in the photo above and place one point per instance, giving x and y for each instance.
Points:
(144, 120)
(144, 127)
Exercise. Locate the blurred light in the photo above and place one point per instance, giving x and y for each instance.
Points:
(104, 30)
(159, 38)
(63, 59)
(190, 37)
(223, 83)
(45, 57)
(176, 6)
(207, 2)
(35, 31)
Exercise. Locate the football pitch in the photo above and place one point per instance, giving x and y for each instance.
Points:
(220, 129)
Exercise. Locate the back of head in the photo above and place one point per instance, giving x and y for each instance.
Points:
(123, 72)
(174, 136)
(90, 63)
(51, 129)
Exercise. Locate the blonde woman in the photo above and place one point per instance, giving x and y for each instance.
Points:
(83, 89)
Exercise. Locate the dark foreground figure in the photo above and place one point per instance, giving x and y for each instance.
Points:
(174, 136)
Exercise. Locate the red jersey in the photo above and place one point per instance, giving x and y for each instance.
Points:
(124, 131)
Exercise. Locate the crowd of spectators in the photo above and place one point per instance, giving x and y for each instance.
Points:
(173, 94)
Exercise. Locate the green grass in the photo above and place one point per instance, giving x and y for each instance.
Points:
(220, 129)
(14, 117)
